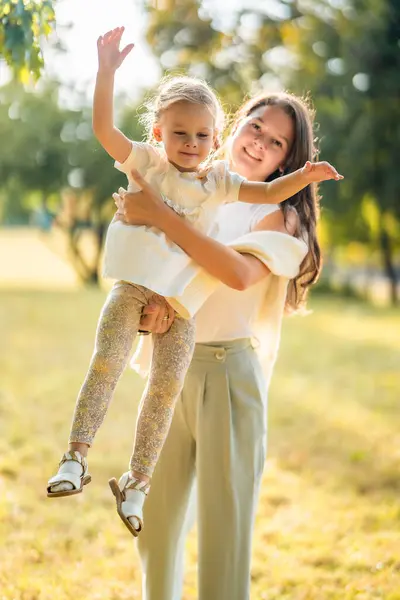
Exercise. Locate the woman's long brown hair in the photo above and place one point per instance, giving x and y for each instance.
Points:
(306, 202)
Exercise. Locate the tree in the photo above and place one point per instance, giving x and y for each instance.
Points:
(345, 54)
(32, 156)
(22, 24)
(234, 60)
(349, 58)
(52, 163)
(93, 181)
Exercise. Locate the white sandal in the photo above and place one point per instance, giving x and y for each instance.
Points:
(77, 481)
(132, 508)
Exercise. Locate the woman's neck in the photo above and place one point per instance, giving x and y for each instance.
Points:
(244, 172)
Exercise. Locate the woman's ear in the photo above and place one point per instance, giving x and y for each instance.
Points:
(157, 133)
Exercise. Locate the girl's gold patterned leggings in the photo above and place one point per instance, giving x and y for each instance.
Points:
(172, 353)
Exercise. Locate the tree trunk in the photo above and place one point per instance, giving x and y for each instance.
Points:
(88, 274)
(93, 277)
(387, 256)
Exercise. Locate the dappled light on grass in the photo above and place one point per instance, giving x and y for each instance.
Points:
(328, 524)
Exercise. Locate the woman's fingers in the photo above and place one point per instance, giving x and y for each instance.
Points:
(142, 183)
(119, 216)
(162, 315)
(168, 316)
(117, 199)
(159, 326)
(157, 316)
(171, 318)
(149, 317)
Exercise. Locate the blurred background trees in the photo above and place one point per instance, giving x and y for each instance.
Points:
(344, 53)
(53, 171)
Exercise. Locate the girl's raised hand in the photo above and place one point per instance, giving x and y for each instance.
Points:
(109, 54)
(320, 171)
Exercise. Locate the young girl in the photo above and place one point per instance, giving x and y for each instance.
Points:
(187, 121)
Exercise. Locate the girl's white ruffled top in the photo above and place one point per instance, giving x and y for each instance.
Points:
(144, 255)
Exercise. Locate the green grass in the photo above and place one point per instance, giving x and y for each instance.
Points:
(328, 525)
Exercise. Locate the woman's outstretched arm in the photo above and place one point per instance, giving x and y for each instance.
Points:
(238, 271)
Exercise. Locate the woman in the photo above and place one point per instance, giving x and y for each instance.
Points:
(218, 432)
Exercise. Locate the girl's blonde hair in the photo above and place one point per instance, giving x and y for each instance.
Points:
(183, 89)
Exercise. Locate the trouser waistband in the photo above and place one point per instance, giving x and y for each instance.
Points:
(219, 350)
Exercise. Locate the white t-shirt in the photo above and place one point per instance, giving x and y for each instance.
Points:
(143, 255)
(229, 314)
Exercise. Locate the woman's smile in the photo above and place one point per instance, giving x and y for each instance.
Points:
(251, 154)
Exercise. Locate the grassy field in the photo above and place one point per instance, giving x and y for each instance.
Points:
(328, 526)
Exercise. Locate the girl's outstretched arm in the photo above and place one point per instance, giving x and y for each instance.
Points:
(288, 185)
(110, 58)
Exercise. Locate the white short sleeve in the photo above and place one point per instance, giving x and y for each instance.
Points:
(259, 211)
(227, 183)
(141, 157)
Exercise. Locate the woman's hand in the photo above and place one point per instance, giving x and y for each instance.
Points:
(157, 316)
(140, 208)
(320, 171)
(109, 55)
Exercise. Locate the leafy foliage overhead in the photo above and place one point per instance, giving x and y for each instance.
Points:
(22, 24)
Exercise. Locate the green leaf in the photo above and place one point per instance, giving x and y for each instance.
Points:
(23, 22)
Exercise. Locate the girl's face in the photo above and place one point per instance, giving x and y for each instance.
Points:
(261, 143)
(188, 134)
